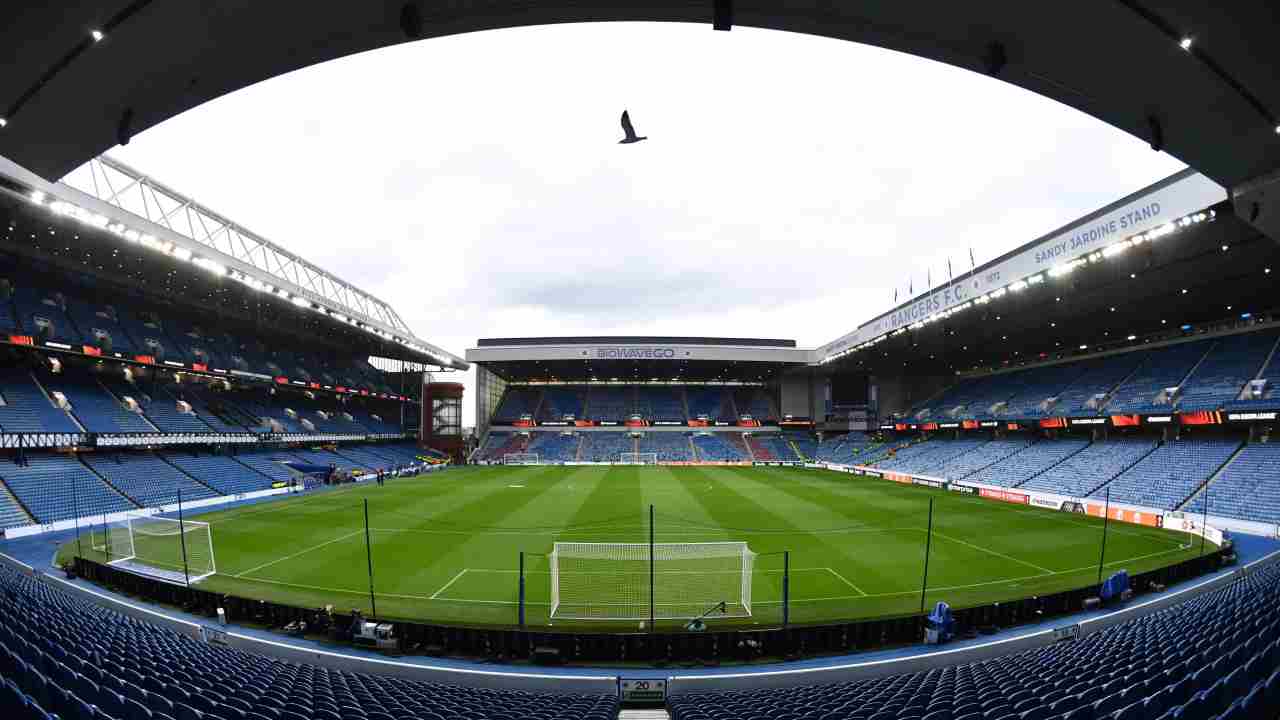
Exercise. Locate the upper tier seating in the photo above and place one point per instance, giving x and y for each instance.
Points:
(96, 409)
(559, 402)
(1033, 388)
(516, 402)
(220, 472)
(1216, 653)
(605, 446)
(720, 447)
(161, 409)
(670, 446)
(660, 404)
(1026, 464)
(41, 311)
(983, 456)
(1249, 488)
(610, 403)
(755, 402)
(1101, 377)
(1092, 467)
(1164, 368)
(712, 403)
(61, 655)
(554, 446)
(26, 408)
(147, 479)
(1167, 476)
(59, 487)
(99, 327)
(1220, 378)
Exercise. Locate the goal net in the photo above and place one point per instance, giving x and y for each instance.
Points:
(520, 459)
(160, 547)
(639, 458)
(612, 581)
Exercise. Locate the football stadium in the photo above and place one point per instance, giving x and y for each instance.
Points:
(235, 485)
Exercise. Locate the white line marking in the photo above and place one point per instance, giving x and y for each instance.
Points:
(300, 552)
(461, 572)
(1044, 570)
(846, 582)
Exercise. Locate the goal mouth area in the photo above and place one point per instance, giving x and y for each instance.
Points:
(666, 611)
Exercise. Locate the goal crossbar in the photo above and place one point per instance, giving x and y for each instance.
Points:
(627, 581)
(520, 459)
(638, 458)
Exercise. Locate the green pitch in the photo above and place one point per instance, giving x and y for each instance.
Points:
(446, 546)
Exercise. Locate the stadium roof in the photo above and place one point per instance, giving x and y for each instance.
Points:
(1204, 276)
(1195, 79)
(637, 359)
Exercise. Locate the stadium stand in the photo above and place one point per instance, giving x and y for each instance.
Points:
(499, 444)
(1220, 379)
(1090, 392)
(847, 449)
(925, 457)
(670, 446)
(1213, 656)
(61, 657)
(161, 409)
(1092, 468)
(717, 447)
(220, 472)
(554, 447)
(770, 447)
(561, 402)
(146, 478)
(26, 408)
(1020, 467)
(660, 404)
(711, 403)
(265, 462)
(605, 446)
(59, 487)
(1248, 488)
(41, 314)
(95, 408)
(99, 327)
(11, 512)
(1166, 368)
(1167, 477)
(610, 404)
(755, 402)
(516, 403)
(804, 444)
(980, 458)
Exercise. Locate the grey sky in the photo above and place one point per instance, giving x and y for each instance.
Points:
(790, 182)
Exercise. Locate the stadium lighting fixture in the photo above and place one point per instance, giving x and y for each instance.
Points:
(37, 197)
(1277, 127)
(1133, 337)
(96, 35)
(4, 122)
(1185, 43)
(182, 254)
(1084, 347)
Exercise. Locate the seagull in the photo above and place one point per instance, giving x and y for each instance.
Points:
(630, 131)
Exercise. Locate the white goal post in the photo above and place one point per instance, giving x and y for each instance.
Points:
(520, 459)
(612, 581)
(165, 548)
(638, 458)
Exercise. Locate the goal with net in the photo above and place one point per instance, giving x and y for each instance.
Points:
(617, 581)
(165, 548)
(638, 458)
(520, 459)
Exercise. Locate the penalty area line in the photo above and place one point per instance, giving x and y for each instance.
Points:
(846, 582)
(455, 579)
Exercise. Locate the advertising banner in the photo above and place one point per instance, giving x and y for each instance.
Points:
(1126, 420)
(970, 424)
(1251, 416)
(1136, 517)
(962, 489)
(898, 477)
(927, 483)
(1201, 417)
(1008, 496)
(1053, 422)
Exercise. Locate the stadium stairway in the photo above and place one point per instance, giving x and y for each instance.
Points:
(12, 512)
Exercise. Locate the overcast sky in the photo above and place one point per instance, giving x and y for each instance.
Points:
(789, 185)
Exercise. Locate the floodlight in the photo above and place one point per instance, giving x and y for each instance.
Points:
(1185, 43)
(97, 35)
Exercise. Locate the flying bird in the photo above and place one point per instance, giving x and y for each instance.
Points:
(630, 131)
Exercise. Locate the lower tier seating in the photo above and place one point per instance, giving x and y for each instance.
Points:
(147, 479)
(1249, 488)
(61, 657)
(58, 487)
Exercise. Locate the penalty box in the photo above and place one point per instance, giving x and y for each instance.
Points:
(500, 586)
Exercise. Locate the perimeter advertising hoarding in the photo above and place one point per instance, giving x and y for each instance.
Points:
(962, 489)
(927, 483)
(1008, 496)
(897, 477)
(1251, 416)
(1136, 517)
